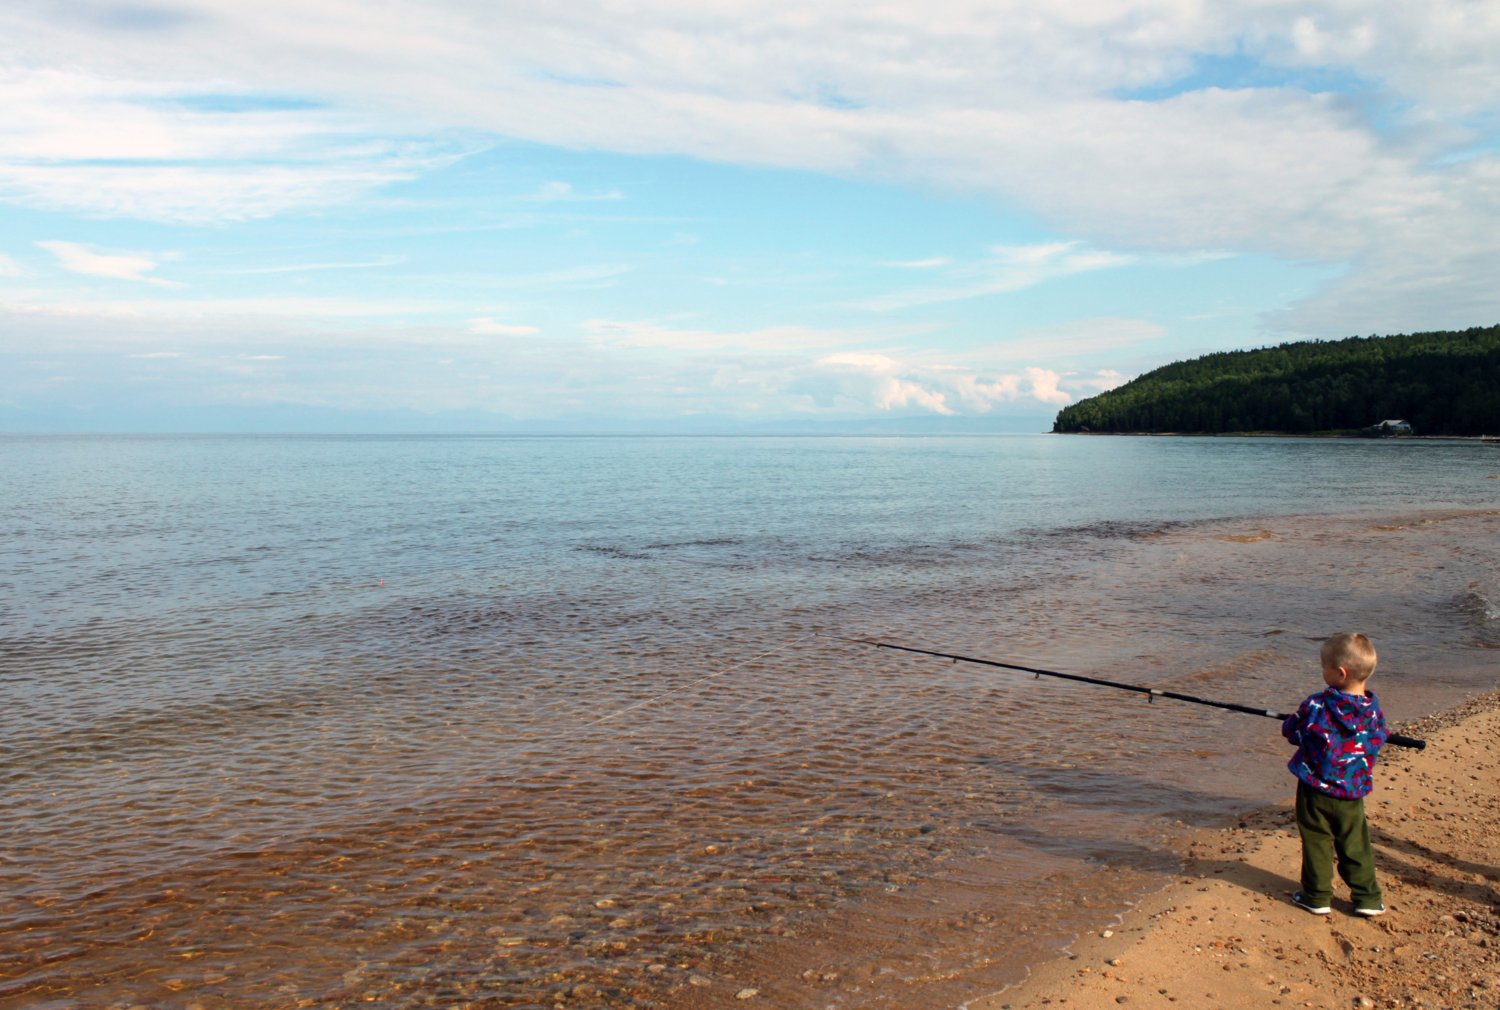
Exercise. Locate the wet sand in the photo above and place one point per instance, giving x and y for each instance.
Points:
(1226, 934)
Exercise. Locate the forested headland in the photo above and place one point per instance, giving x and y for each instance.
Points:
(1443, 383)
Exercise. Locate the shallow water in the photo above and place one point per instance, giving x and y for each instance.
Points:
(592, 720)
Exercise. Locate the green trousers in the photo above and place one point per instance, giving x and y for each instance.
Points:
(1333, 827)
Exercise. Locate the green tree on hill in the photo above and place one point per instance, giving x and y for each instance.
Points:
(1444, 383)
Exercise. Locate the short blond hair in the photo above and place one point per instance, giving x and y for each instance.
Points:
(1352, 651)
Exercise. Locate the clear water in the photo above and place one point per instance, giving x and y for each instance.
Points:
(530, 722)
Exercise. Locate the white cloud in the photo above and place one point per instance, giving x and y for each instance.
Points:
(133, 144)
(261, 359)
(1076, 337)
(1008, 268)
(653, 334)
(1100, 381)
(50, 304)
(587, 275)
(886, 387)
(157, 354)
(1027, 101)
(489, 326)
(383, 261)
(550, 191)
(9, 267)
(82, 259)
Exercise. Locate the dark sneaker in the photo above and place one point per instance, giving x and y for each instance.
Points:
(1315, 909)
(1370, 911)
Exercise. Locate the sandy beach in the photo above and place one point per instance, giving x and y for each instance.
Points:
(1226, 934)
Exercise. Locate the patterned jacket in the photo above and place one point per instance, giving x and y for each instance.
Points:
(1337, 737)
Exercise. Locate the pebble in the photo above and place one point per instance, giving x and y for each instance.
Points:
(1107, 933)
(698, 980)
(746, 993)
(1122, 999)
(1364, 1003)
(1116, 962)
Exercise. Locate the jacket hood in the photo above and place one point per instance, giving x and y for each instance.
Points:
(1348, 711)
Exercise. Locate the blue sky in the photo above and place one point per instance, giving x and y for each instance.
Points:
(752, 210)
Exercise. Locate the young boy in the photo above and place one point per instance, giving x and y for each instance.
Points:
(1337, 733)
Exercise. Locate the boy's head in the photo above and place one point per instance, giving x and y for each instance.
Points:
(1348, 659)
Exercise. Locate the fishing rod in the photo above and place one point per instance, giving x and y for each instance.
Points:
(1151, 693)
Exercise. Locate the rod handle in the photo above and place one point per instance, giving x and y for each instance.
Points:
(1406, 741)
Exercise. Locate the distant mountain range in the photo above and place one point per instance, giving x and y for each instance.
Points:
(1443, 383)
(298, 419)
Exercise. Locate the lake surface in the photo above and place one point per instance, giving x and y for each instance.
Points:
(538, 722)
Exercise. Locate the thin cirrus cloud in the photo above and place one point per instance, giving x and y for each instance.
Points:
(78, 258)
(654, 334)
(135, 145)
(383, 261)
(549, 192)
(1074, 338)
(489, 326)
(587, 275)
(1008, 268)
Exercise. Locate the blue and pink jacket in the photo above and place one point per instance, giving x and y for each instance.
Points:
(1337, 737)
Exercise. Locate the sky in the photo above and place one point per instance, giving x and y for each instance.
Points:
(644, 209)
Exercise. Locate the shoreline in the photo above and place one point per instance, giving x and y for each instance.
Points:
(1278, 434)
(1226, 934)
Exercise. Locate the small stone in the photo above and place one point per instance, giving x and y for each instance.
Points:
(746, 993)
(1107, 933)
(1116, 962)
(1364, 1002)
(656, 967)
(830, 976)
(605, 903)
(1122, 999)
(698, 980)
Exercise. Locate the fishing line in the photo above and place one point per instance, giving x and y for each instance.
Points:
(1151, 693)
